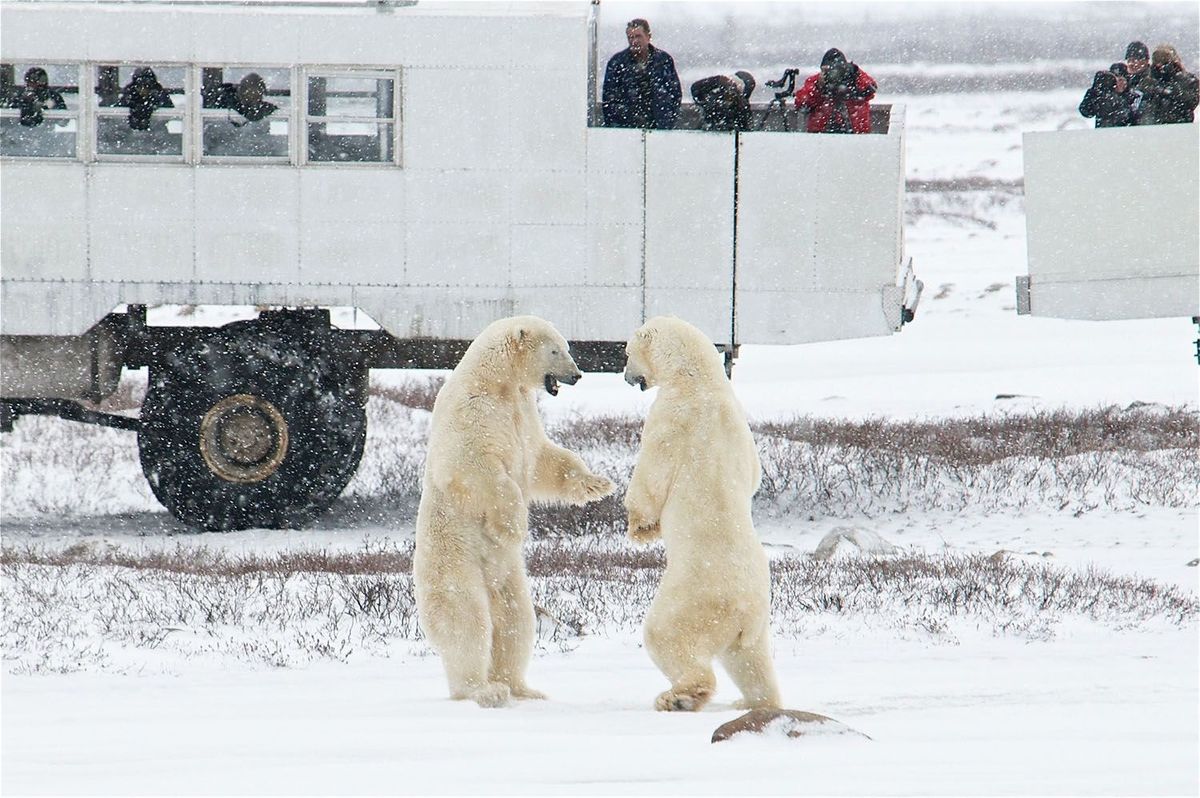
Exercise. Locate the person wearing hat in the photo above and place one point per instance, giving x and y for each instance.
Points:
(144, 95)
(641, 87)
(1104, 102)
(838, 97)
(725, 100)
(37, 96)
(1169, 92)
(1137, 59)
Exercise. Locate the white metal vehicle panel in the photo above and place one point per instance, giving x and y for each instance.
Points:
(352, 225)
(141, 222)
(820, 235)
(52, 218)
(249, 233)
(1111, 217)
(548, 255)
(464, 121)
(689, 228)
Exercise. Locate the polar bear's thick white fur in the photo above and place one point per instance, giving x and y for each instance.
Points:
(488, 458)
(692, 485)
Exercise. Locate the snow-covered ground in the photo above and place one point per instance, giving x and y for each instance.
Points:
(1091, 709)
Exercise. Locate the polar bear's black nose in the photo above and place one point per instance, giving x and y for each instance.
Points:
(571, 379)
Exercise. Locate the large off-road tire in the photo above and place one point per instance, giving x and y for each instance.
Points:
(253, 425)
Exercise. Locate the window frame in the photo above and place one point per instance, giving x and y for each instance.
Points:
(307, 72)
(78, 115)
(203, 113)
(97, 112)
(88, 114)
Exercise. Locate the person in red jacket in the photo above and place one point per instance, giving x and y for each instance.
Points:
(838, 98)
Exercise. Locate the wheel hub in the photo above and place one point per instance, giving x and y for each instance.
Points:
(243, 438)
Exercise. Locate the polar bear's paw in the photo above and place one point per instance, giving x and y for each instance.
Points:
(590, 487)
(642, 530)
(525, 691)
(672, 701)
(758, 703)
(492, 695)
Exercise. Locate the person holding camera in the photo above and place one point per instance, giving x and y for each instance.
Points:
(724, 100)
(1105, 101)
(1169, 92)
(838, 98)
(36, 97)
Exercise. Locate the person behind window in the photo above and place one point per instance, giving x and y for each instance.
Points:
(36, 97)
(143, 95)
(247, 97)
(838, 98)
(724, 100)
(1105, 102)
(641, 87)
(1169, 92)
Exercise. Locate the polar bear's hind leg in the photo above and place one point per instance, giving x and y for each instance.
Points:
(514, 626)
(753, 671)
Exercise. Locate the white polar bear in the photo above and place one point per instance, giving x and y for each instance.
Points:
(692, 485)
(488, 459)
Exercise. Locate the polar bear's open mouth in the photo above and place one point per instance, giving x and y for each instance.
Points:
(551, 381)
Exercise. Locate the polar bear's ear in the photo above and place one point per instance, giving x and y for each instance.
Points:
(521, 337)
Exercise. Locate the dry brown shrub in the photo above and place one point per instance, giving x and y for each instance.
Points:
(416, 393)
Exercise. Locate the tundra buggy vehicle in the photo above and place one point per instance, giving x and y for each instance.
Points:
(420, 163)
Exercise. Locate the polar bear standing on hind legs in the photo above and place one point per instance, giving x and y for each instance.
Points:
(488, 459)
(692, 485)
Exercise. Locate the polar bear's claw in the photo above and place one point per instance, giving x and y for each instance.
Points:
(645, 533)
(595, 487)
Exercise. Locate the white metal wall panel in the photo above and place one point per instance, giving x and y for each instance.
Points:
(689, 228)
(449, 254)
(353, 225)
(248, 234)
(1108, 209)
(464, 119)
(547, 109)
(548, 255)
(273, 38)
(141, 221)
(47, 204)
(557, 197)
(464, 197)
(615, 231)
(819, 235)
(428, 35)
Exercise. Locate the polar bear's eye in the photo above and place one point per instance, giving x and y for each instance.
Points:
(554, 351)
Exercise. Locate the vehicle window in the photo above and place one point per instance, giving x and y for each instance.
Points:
(140, 110)
(245, 112)
(351, 118)
(40, 113)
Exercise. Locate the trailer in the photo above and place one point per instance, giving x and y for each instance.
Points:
(421, 164)
(1110, 216)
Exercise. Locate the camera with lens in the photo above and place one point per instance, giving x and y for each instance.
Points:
(840, 79)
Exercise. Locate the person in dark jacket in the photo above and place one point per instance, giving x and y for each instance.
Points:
(143, 95)
(641, 87)
(247, 97)
(1105, 103)
(36, 97)
(1169, 92)
(724, 100)
(838, 98)
(1137, 59)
